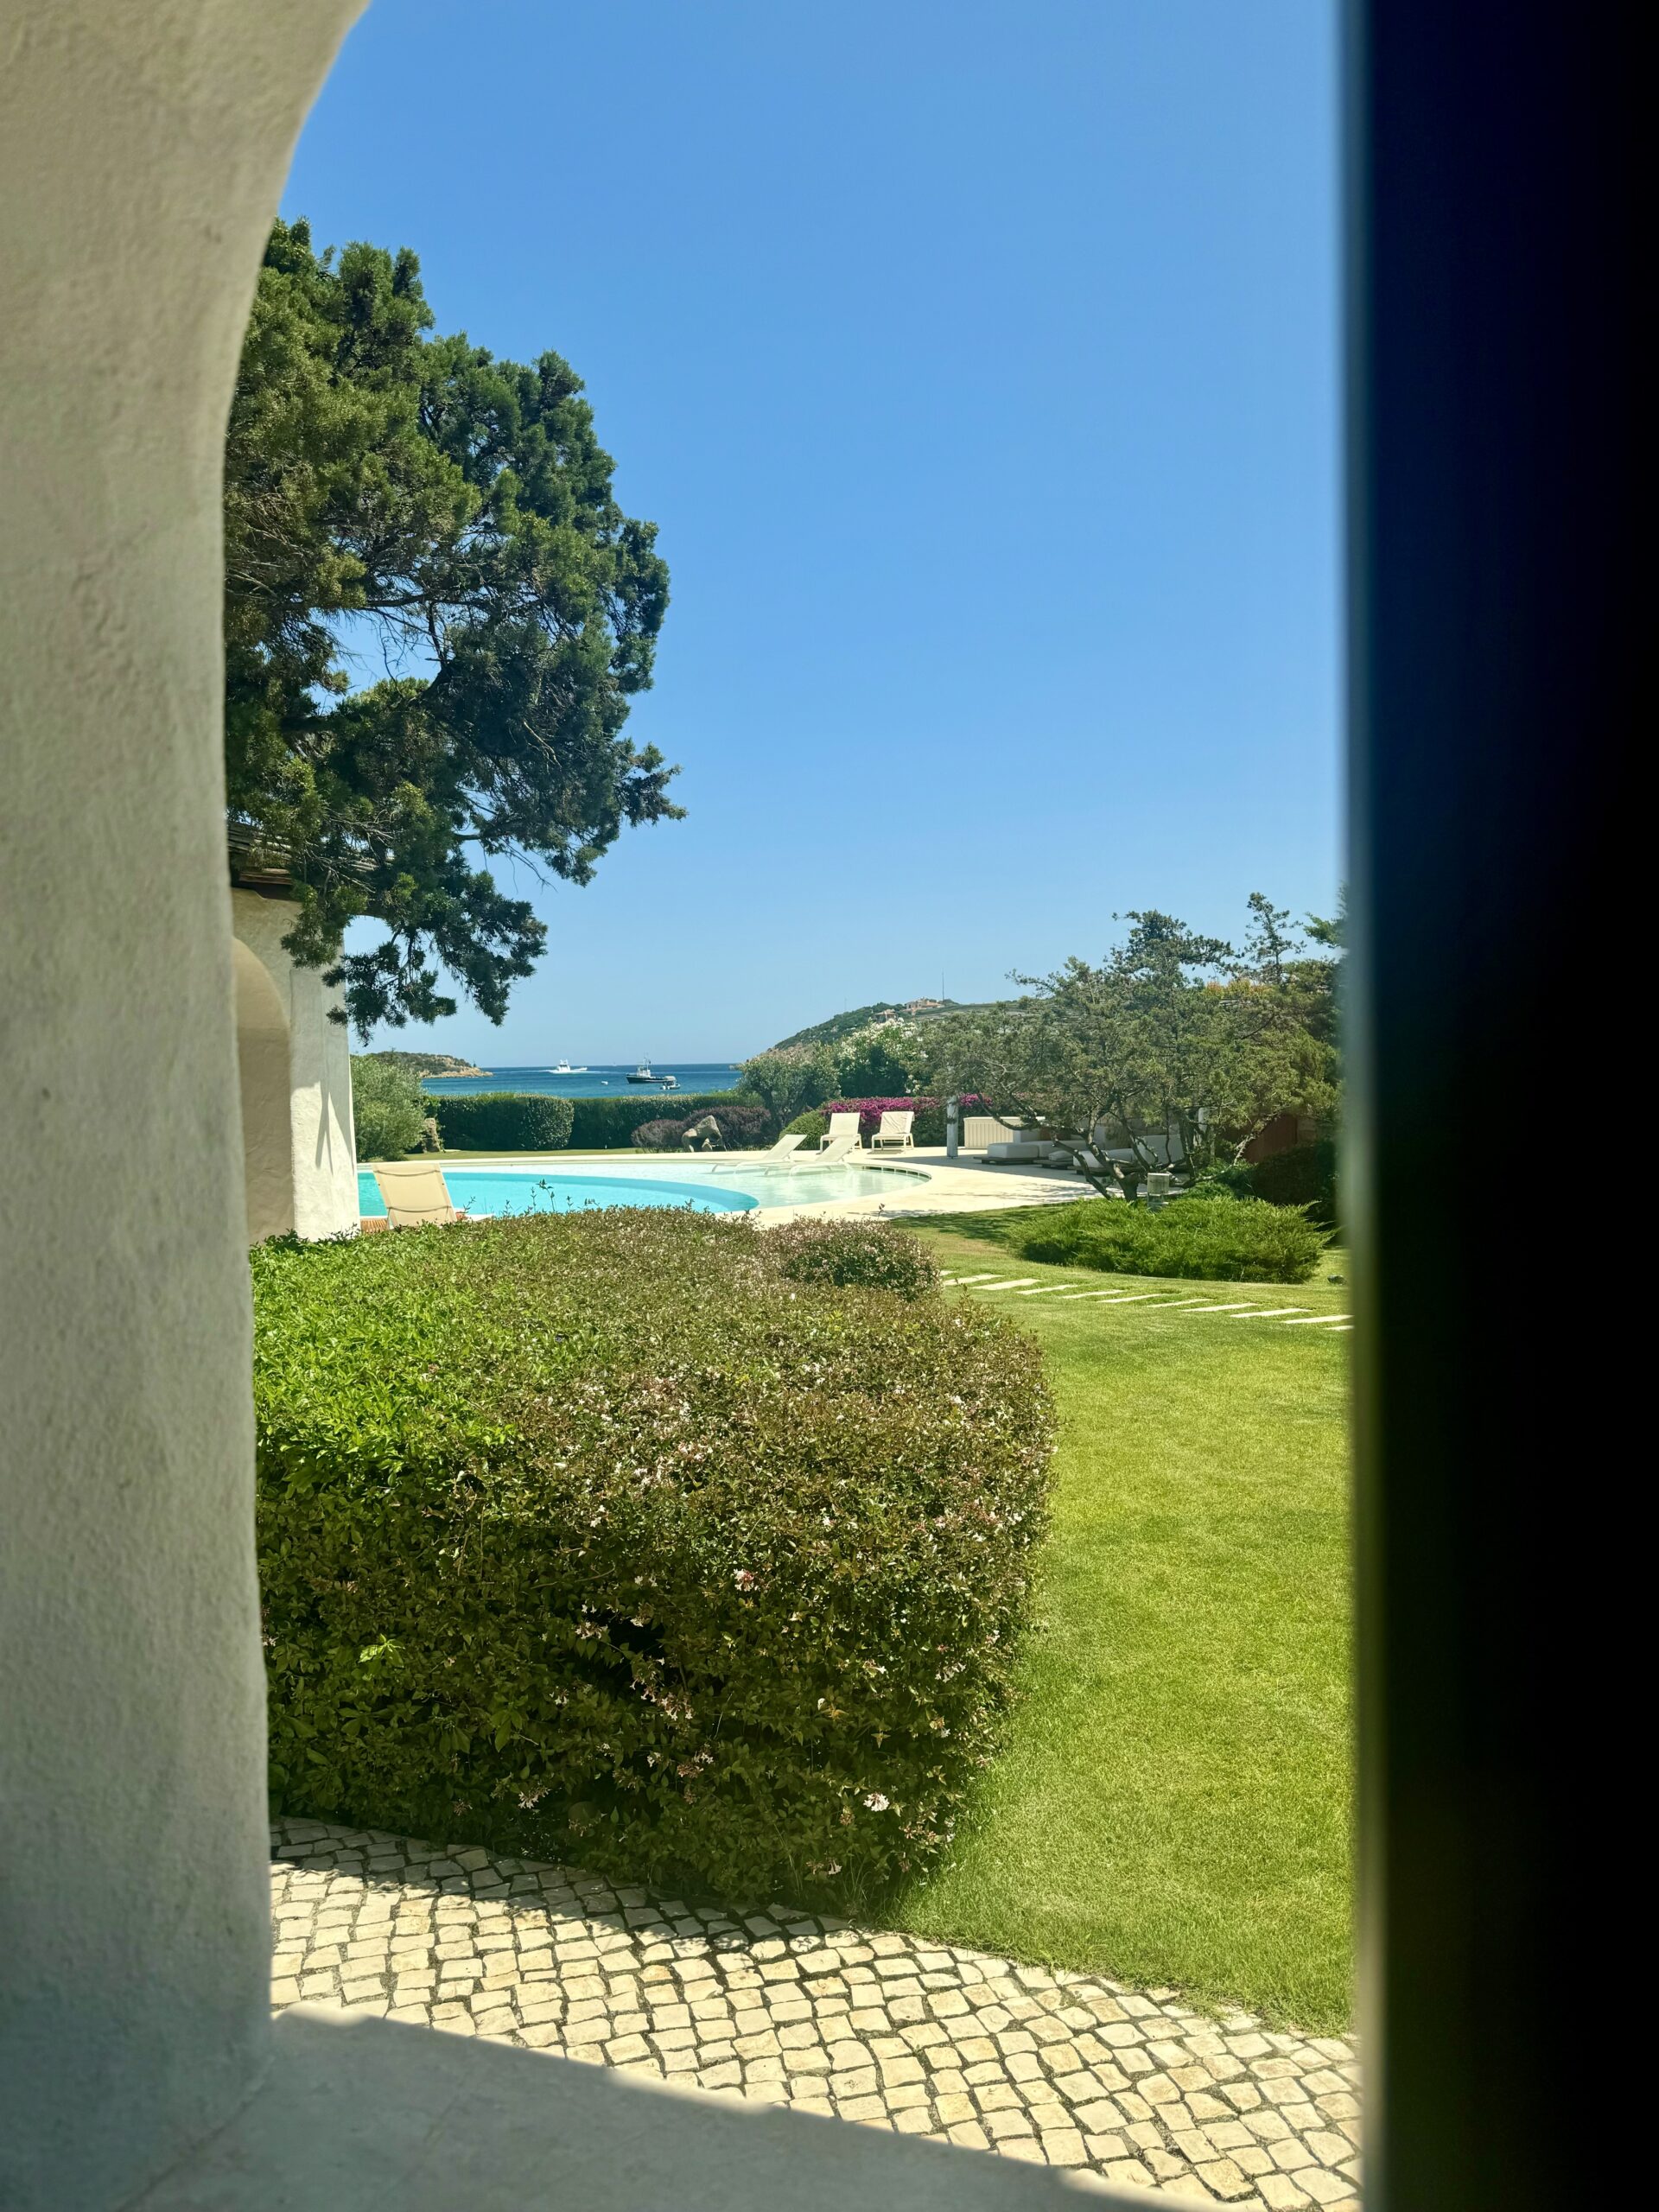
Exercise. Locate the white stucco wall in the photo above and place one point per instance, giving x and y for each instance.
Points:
(142, 147)
(320, 1165)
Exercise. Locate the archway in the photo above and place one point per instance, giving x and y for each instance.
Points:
(262, 1065)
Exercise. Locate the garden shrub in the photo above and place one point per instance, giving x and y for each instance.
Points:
(848, 1252)
(742, 1125)
(605, 1124)
(389, 1107)
(813, 1126)
(927, 1129)
(503, 1121)
(598, 1535)
(1304, 1175)
(1247, 1241)
(659, 1137)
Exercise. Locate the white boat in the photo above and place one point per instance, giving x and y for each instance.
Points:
(644, 1073)
(565, 1068)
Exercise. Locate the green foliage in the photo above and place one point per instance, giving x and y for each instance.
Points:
(659, 1137)
(419, 1063)
(605, 1124)
(742, 1124)
(789, 1080)
(875, 1064)
(813, 1126)
(595, 1536)
(396, 497)
(1176, 1045)
(845, 1253)
(1304, 1176)
(503, 1121)
(387, 1107)
(1245, 1241)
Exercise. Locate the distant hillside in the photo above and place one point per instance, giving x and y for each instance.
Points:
(427, 1063)
(861, 1017)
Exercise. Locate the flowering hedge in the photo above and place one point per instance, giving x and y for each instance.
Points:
(930, 1115)
(598, 1536)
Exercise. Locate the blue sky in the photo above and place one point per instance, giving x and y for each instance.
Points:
(979, 366)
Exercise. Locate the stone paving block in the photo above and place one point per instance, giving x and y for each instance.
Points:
(878, 2028)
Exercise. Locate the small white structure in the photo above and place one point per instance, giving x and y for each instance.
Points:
(294, 1063)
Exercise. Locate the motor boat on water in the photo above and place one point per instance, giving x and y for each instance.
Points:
(644, 1073)
(565, 1068)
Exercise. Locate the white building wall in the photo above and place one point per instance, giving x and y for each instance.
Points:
(322, 1160)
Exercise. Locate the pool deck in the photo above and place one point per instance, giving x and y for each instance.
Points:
(970, 1184)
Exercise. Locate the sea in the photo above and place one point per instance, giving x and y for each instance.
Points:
(689, 1076)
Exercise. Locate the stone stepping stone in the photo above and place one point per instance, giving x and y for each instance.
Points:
(1269, 1313)
(1319, 1321)
(1013, 1282)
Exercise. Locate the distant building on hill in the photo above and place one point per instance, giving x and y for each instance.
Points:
(920, 1006)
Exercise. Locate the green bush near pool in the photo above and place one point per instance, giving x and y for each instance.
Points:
(503, 1121)
(1212, 1239)
(600, 1535)
(601, 1124)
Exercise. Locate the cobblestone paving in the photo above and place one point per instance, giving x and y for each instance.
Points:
(1063, 2068)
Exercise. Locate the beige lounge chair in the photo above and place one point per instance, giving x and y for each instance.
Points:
(415, 1194)
(841, 1125)
(895, 1130)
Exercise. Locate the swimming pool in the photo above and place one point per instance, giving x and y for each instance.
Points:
(703, 1185)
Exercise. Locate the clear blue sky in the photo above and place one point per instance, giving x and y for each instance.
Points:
(978, 363)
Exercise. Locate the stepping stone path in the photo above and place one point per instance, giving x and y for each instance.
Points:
(1066, 2069)
(1289, 1317)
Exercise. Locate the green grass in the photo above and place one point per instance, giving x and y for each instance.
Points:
(1172, 1808)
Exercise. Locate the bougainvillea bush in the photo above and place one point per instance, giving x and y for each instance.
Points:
(603, 1535)
(929, 1127)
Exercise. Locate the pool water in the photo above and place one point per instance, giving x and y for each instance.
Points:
(704, 1188)
(480, 1190)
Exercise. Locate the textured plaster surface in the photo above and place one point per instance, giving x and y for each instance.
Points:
(143, 148)
(319, 1165)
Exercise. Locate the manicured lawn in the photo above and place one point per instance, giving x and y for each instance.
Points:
(1172, 1805)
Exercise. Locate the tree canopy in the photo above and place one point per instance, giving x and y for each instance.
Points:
(407, 509)
(1175, 1045)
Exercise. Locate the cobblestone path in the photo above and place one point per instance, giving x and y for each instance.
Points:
(1064, 2069)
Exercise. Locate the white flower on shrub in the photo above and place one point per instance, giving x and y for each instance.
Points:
(744, 1579)
(876, 1802)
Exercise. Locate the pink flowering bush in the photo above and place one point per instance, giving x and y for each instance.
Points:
(610, 1537)
(929, 1112)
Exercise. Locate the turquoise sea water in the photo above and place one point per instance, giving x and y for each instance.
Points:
(689, 1076)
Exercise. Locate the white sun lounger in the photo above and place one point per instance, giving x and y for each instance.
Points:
(782, 1150)
(841, 1125)
(415, 1194)
(895, 1130)
(836, 1149)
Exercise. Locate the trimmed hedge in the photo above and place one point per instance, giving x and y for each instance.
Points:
(847, 1252)
(1304, 1175)
(597, 1536)
(743, 1124)
(600, 1124)
(1214, 1240)
(503, 1121)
